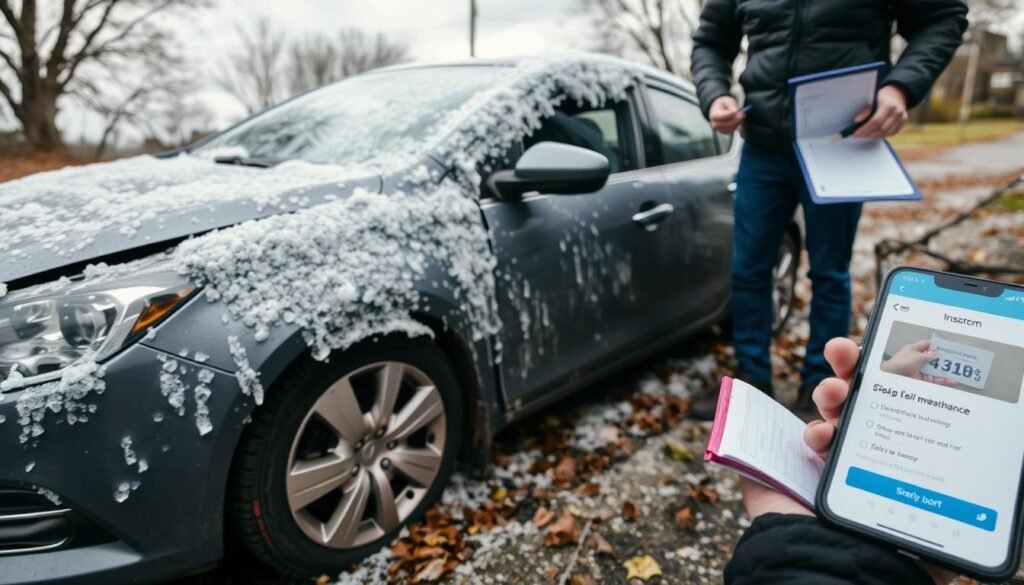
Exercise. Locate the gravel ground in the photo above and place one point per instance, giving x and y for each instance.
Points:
(610, 483)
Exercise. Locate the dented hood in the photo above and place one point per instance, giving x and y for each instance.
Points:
(57, 221)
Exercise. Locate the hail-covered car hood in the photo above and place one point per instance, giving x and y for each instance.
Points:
(64, 218)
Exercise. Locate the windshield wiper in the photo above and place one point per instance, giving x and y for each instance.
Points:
(248, 161)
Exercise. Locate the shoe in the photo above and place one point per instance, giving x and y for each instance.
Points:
(805, 408)
(704, 408)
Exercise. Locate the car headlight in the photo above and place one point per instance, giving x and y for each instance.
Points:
(47, 328)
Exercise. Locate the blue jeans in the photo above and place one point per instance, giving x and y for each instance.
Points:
(769, 186)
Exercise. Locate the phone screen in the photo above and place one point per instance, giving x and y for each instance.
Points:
(933, 442)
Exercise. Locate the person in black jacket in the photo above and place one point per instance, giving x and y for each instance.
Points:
(788, 38)
(786, 544)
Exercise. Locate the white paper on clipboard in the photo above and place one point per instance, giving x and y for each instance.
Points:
(850, 169)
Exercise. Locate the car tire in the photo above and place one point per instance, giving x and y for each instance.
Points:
(293, 497)
(784, 275)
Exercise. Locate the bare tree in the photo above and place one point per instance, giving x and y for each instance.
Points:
(658, 30)
(317, 59)
(47, 53)
(254, 72)
(989, 14)
(267, 67)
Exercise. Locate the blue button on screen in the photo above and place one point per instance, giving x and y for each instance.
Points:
(919, 497)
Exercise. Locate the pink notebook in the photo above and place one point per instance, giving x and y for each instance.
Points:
(759, 438)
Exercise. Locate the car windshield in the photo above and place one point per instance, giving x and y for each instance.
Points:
(358, 120)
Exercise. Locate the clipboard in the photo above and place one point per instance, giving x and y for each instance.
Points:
(851, 169)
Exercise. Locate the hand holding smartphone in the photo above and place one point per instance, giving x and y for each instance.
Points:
(928, 454)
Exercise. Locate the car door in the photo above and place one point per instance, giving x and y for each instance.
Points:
(699, 172)
(576, 272)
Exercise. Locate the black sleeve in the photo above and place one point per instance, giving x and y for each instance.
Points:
(716, 42)
(933, 30)
(800, 550)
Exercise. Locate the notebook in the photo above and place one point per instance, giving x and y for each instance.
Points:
(759, 438)
(851, 169)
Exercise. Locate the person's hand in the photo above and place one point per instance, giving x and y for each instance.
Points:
(725, 114)
(890, 114)
(909, 360)
(829, 396)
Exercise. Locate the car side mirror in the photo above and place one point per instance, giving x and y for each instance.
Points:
(552, 167)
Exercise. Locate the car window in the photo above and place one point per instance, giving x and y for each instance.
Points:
(605, 130)
(683, 133)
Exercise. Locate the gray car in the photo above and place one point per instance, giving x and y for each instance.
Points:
(152, 420)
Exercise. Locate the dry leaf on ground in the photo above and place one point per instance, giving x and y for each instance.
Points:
(584, 579)
(641, 567)
(602, 545)
(563, 531)
(566, 469)
(542, 517)
(629, 510)
(678, 451)
(684, 518)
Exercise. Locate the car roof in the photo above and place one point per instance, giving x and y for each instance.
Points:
(642, 68)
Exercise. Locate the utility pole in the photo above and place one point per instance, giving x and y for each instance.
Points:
(969, 76)
(472, 28)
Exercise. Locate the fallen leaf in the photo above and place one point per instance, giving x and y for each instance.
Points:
(602, 545)
(584, 579)
(566, 469)
(629, 510)
(429, 552)
(432, 571)
(542, 517)
(562, 531)
(703, 493)
(641, 567)
(684, 518)
(499, 494)
(587, 489)
(434, 539)
(678, 451)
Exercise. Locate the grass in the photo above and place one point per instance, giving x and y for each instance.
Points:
(929, 136)
(1010, 202)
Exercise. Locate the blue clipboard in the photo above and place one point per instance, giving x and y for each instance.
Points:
(794, 83)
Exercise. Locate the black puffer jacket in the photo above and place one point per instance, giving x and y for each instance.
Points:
(798, 550)
(797, 37)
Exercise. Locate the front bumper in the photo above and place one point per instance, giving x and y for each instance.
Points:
(172, 522)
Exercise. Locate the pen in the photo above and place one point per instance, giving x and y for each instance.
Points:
(849, 130)
(746, 108)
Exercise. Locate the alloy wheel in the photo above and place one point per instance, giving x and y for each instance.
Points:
(366, 454)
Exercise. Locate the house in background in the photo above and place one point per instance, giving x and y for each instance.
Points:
(998, 82)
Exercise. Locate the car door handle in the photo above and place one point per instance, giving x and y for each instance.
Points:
(654, 215)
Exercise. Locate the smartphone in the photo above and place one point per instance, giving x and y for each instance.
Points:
(930, 445)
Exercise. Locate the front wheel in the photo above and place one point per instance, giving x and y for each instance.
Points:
(344, 454)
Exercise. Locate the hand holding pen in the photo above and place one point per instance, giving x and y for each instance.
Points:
(726, 115)
(887, 118)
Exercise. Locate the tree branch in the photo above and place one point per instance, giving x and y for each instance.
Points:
(84, 54)
(12, 19)
(10, 62)
(9, 97)
(67, 24)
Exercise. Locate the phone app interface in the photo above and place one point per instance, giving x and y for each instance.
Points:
(934, 444)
